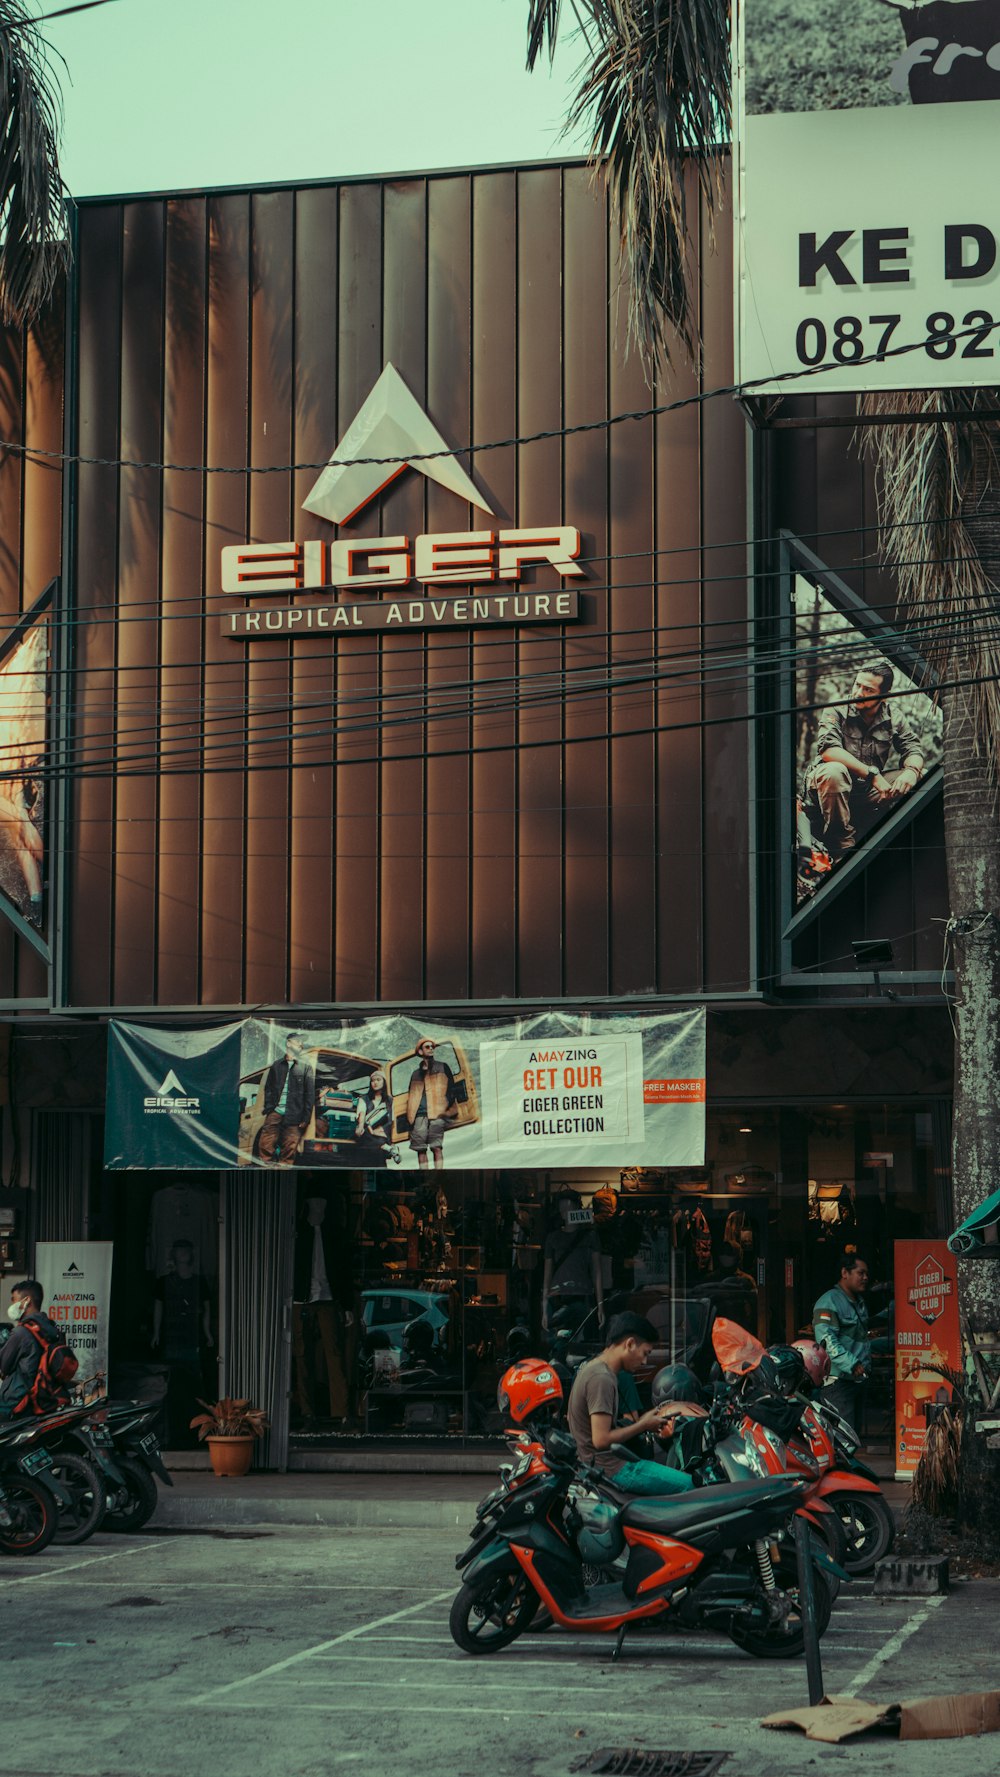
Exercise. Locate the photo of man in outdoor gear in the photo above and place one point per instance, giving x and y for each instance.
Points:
(289, 1097)
(867, 758)
(430, 1103)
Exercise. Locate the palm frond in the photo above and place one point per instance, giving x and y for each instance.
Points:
(34, 237)
(929, 477)
(656, 94)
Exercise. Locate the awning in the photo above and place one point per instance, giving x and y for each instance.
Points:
(978, 1237)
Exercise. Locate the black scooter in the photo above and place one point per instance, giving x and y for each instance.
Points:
(130, 1429)
(715, 1558)
(31, 1494)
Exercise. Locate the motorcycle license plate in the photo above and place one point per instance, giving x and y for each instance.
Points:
(150, 1443)
(101, 1437)
(36, 1460)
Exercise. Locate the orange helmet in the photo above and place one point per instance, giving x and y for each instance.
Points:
(528, 1388)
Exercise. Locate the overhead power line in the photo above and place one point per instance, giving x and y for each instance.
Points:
(654, 411)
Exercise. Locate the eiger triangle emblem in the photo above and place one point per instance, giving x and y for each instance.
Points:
(392, 426)
(170, 1084)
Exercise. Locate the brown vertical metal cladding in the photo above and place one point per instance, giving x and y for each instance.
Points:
(140, 546)
(357, 908)
(631, 619)
(586, 799)
(449, 780)
(401, 802)
(314, 706)
(681, 817)
(13, 423)
(539, 474)
(269, 669)
(725, 604)
(91, 866)
(183, 586)
(494, 657)
(223, 836)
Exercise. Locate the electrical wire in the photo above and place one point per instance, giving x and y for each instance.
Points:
(107, 767)
(34, 453)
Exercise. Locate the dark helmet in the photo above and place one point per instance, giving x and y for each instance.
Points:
(675, 1382)
(790, 1366)
(519, 1343)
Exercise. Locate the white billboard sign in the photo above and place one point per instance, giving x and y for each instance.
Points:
(866, 155)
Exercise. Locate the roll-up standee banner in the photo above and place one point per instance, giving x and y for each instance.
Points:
(76, 1279)
(928, 1341)
(392, 1093)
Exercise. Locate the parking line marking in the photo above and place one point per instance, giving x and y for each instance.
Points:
(892, 1647)
(50, 1573)
(237, 1684)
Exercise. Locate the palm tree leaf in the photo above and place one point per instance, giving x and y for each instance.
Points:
(930, 477)
(34, 235)
(656, 93)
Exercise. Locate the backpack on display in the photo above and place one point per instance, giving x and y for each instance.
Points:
(57, 1369)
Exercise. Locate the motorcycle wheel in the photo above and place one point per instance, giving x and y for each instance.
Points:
(79, 1519)
(786, 1643)
(140, 1502)
(492, 1612)
(34, 1515)
(869, 1529)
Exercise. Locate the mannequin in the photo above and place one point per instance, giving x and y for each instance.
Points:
(182, 1211)
(572, 1280)
(317, 1309)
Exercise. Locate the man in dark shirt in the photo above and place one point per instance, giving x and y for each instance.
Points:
(855, 777)
(22, 1353)
(289, 1098)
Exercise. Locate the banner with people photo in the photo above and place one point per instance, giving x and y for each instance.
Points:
(24, 661)
(866, 244)
(865, 737)
(401, 1092)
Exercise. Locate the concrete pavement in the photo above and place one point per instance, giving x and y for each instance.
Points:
(298, 1651)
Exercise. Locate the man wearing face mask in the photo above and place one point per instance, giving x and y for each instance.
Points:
(22, 1353)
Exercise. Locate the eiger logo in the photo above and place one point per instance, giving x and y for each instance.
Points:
(394, 426)
(74, 1270)
(171, 1097)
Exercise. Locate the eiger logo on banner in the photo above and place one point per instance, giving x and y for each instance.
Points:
(393, 427)
(74, 1270)
(171, 1098)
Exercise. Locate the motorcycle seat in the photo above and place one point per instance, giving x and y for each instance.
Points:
(678, 1512)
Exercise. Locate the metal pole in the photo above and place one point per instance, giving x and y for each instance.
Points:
(807, 1605)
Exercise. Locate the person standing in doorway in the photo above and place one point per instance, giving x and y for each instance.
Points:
(840, 1323)
(289, 1098)
(182, 1335)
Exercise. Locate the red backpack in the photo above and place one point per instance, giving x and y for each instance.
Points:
(56, 1370)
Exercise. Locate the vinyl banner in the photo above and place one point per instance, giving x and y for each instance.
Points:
(173, 1097)
(24, 659)
(928, 1341)
(76, 1278)
(544, 1091)
(866, 154)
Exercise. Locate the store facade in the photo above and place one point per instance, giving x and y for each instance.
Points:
(494, 739)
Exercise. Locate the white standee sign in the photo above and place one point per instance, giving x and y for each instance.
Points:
(867, 152)
(76, 1279)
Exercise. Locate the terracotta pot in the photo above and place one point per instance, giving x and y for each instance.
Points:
(230, 1456)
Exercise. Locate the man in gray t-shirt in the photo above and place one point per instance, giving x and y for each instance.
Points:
(592, 1411)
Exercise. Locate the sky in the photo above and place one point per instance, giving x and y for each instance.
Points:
(168, 94)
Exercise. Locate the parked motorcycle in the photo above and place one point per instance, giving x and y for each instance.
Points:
(855, 1492)
(83, 1458)
(31, 1494)
(137, 1453)
(717, 1558)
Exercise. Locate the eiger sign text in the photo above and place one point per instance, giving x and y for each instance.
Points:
(393, 428)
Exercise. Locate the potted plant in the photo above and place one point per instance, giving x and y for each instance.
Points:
(229, 1428)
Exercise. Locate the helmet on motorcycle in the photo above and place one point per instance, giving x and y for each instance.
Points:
(790, 1366)
(600, 1538)
(676, 1382)
(528, 1389)
(816, 1359)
